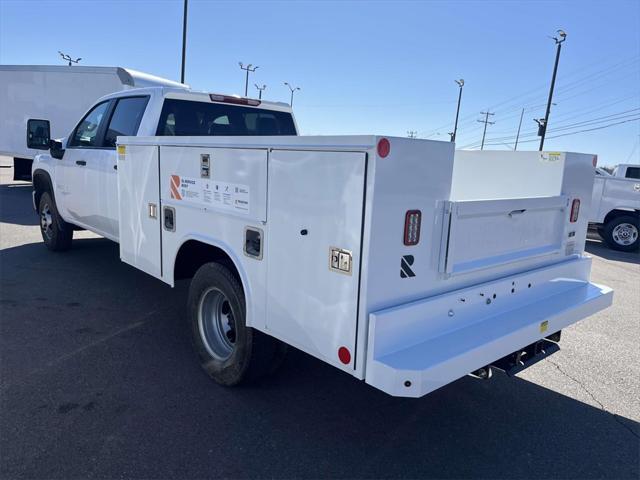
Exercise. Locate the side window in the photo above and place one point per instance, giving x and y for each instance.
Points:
(125, 119)
(86, 133)
(632, 172)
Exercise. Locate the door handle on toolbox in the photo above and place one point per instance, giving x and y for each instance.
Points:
(517, 212)
(81, 162)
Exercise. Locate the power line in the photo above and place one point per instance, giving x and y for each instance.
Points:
(565, 126)
(576, 132)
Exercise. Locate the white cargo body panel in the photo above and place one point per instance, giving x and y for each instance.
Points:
(315, 206)
(138, 184)
(336, 276)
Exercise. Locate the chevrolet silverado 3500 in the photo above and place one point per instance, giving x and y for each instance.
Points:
(398, 261)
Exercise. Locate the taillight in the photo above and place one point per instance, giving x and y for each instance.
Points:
(235, 100)
(595, 160)
(575, 210)
(412, 221)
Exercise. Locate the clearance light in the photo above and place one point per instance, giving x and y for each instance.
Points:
(235, 100)
(384, 147)
(412, 227)
(575, 210)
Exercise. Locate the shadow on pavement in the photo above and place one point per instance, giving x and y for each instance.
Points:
(99, 380)
(595, 246)
(16, 206)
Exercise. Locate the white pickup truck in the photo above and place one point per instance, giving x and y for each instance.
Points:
(398, 261)
(615, 207)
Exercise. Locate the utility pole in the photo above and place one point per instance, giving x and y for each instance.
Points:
(518, 134)
(260, 89)
(184, 40)
(293, 89)
(412, 134)
(246, 81)
(542, 125)
(68, 58)
(455, 128)
(486, 122)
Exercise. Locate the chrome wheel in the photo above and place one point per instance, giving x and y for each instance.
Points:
(46, 221)
(625, 234)
(216, 324)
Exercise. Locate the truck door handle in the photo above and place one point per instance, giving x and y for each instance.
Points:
(517, 212)
(81, 162)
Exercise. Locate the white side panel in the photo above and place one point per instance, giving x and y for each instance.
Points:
(309, 305)
(139, 199)
(58, 96)
(237, 182)
(482, 175)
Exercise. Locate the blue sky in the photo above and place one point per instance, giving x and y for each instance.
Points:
(374, 67)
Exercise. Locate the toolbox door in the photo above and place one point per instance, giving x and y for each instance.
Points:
(314, 235)
(139, 207)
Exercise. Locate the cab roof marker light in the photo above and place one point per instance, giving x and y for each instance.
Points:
(234, 100)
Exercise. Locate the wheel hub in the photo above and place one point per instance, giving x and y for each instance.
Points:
(46, 220)
(625, 234)
(216, 324)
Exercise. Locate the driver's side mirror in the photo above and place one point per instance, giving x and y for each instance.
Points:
(38, 134)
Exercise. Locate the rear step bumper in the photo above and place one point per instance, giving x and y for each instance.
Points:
(418, 347)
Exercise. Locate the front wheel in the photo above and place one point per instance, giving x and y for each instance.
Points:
(56, 233)
(621, 233)
(229, 351)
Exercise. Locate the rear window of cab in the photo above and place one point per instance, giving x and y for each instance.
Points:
(189, 118)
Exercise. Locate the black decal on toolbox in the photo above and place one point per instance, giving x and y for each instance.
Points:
(405, 266)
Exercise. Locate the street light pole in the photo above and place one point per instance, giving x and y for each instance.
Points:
(246, 81)
(260, 89)
(455, 128)
(184, 40)
(542, 130)
(293, 89)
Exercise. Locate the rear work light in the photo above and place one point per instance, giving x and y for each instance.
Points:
(235, 100)
(575, 210)
(412, 221)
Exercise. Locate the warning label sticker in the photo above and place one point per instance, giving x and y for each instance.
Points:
(211, 193)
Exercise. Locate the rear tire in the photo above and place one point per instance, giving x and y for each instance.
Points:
(229, 351)
(621, 233)
(56, 233)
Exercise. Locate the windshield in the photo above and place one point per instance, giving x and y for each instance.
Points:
(189, 118)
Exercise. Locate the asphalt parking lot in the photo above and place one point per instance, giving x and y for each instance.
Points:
(98, 380)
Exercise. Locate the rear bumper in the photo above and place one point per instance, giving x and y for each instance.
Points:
(418, 347)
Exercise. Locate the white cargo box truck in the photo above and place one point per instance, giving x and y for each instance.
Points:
(59, 94)
(354, 250)
(398, 261)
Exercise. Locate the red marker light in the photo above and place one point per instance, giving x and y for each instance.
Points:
(384, 147)
(575, 210)
(344, 355)
(595, 160)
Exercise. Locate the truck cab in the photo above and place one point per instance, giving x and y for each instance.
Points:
(81, 169)
(627, 170)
